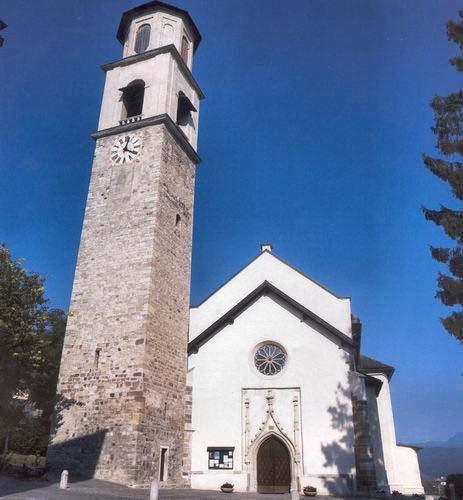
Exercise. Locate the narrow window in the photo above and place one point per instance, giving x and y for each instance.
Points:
(184, 53)
(97, 358)
(163, 465)
(184, 109)
(177, 219)
(142, 39)
(132, 99)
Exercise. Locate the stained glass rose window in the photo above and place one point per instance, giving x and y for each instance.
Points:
(270, 359)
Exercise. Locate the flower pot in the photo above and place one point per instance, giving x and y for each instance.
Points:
(310, 493)
(226, 490)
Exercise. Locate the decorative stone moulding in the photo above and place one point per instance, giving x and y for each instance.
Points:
(131, 119)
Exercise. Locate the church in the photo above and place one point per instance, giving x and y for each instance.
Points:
(263, 384)
(282, 396)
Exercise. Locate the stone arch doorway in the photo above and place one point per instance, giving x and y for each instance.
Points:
(273, 467)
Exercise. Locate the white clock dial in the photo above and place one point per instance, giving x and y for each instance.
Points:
(125, 149)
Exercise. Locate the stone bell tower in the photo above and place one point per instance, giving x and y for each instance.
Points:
(120, 409)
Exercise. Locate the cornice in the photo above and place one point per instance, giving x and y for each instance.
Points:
(165, 119)
(172, 49)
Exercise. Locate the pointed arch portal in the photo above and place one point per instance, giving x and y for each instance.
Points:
(273, 467)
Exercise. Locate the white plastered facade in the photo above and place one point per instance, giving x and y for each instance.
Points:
(162, 72)
(307, 406)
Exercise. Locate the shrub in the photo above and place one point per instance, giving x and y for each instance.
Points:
(457, 481)
(310, 489)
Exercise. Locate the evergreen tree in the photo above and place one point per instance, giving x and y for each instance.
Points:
(448, 128)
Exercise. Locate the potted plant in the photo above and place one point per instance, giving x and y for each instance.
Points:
(310, 491)
(227, 487)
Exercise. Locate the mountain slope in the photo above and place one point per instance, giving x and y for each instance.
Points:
(439, 458)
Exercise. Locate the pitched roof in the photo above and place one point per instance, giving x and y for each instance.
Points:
(375, 382)
(370, 365)
(263, 289)
(412, 446)
(273, 254)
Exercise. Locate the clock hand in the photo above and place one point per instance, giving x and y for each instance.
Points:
(126, 144)
(130, 151)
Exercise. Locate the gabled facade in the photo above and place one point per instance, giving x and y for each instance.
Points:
(281, 397)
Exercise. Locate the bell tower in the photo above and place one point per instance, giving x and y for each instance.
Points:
(120, 408)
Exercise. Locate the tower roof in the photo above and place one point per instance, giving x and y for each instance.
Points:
(157, 6)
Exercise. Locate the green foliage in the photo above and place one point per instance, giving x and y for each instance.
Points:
(448, 128)
(457, 481)
(31, 337)
(455, 34)
(22, 316)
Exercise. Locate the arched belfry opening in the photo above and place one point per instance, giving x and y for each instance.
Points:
(184, 109)
(132, 99)
(142, 40)
(273, 466)
(184, 49)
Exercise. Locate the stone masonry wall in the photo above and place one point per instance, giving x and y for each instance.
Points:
(188, 435)
(165, 362)
(122, 375)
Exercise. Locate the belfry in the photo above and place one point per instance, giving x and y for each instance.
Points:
(120, 412)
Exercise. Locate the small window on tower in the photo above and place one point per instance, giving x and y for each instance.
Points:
(96, 361)
(132, 99)
(185, 47)
(142, 39)
(163, 465)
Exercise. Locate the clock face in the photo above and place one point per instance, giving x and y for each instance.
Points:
(125, 149)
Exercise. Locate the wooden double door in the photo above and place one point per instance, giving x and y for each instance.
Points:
(273, 467)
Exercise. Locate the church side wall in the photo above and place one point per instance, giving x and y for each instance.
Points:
(386, 422)
(408, 465)
(377, 445)
(401, 463)
(314, 385)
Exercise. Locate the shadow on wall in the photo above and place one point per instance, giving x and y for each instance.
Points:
(359, 447)
(339, 454)
(79, 455)
(61, 405)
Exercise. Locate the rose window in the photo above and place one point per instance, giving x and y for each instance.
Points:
(270, 359)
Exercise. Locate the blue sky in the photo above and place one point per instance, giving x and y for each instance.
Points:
(316, 117)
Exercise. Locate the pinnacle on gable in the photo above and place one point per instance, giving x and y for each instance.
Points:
(266, 247)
